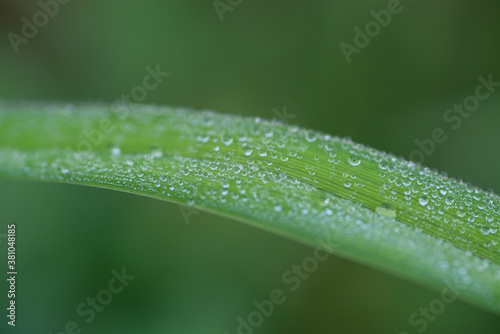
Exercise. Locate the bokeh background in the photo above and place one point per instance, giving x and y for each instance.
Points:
(263, 56)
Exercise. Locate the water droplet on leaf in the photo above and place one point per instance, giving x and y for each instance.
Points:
(354, 160)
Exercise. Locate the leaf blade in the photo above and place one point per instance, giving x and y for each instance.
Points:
(322, 190)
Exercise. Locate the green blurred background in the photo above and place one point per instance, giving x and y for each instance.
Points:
(199, 277)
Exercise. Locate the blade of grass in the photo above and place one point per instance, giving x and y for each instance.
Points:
(353, 200)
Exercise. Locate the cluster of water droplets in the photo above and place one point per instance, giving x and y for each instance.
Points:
(244, 165)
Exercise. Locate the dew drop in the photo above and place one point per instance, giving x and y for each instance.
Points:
(156, 152)
(311, 136)
(354, 160)
(227, 140)
(423, 200)
(203, 138)
(268, 134)
(328, 147)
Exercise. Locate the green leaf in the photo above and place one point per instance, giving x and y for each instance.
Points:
(325, 191)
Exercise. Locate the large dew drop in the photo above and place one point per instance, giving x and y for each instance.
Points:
(423, 200)
(354, 160)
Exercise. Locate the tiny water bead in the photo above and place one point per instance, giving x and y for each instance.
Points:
(329, 147)
(227, 140)
(386, 209)
(310, 136)
(203, 138)
(424, 200)
(383, 165)
(354, 160)
(156, 152)
(116, 151)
